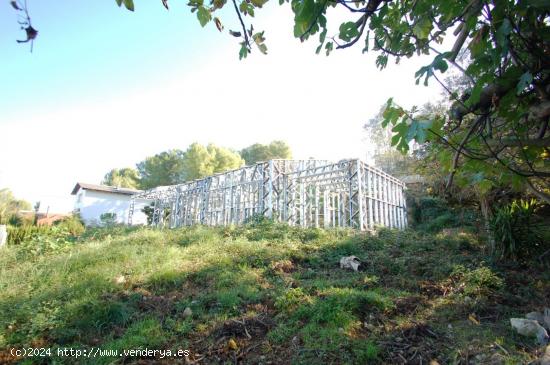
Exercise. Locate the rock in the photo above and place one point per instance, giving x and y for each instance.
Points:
(543, 318)
(535, 316)
(121, 279)
(187, 312)
(350, 262)
(530, 328)
(546, 318)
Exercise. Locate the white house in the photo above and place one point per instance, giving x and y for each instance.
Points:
(94, 200)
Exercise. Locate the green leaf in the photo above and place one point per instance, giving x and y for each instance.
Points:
(129, 4)
(504, 30)
(367, 38)
(119, 2)
(246, 8)
(243, 52)
(422, 28)
(259, 40)
(524, 81)
(304, 16)
(323, 35)
(348, 31)
(258, 3)
(328, 47)
(439, 63)
(203, 15)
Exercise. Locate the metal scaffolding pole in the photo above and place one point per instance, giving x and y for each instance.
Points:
(309, 193)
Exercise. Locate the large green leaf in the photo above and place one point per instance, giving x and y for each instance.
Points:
(129, 4)
(348, 31)
(203, 15)
(422, 28)
(524, 81)
(258, 3)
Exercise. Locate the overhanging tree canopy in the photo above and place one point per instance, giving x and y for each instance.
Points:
(497, 130)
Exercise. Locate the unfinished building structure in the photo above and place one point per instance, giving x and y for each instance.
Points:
(306, 193)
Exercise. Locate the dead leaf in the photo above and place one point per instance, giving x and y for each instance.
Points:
(232, 345)
(473, 319)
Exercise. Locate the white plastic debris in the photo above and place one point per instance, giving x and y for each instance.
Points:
(530, 328)
(3, 235)
(350, 262)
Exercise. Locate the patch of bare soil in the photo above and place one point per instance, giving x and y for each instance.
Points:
(238, 341)
(408, 305)
(416, 343)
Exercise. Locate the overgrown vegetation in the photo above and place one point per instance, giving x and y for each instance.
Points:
(268, 292)
(518, 231)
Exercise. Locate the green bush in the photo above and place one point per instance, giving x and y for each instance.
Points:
(433, 214)
(515, 230)
(477, 283)
(72, 224)
(20, 234)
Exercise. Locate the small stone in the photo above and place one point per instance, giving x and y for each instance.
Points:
(187, 312)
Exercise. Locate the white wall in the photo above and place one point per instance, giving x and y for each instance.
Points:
(92, 204)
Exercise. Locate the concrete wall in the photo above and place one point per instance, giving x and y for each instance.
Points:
(92, 204)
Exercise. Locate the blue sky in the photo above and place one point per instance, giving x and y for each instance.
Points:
(94, 47)
(106, 87)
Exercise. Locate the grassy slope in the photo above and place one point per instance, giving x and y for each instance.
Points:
(276, 291)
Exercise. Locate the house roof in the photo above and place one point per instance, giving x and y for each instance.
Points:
(104, 188)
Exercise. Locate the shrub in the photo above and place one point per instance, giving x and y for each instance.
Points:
(20, 234)
(433, 214)
(108, 219)
(478, 283)
(15, 220)
(72, 224)
(515, 231)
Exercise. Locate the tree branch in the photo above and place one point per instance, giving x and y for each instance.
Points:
(461, 146)
(242, 24)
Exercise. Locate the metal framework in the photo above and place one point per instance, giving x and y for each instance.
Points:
(306, 193)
